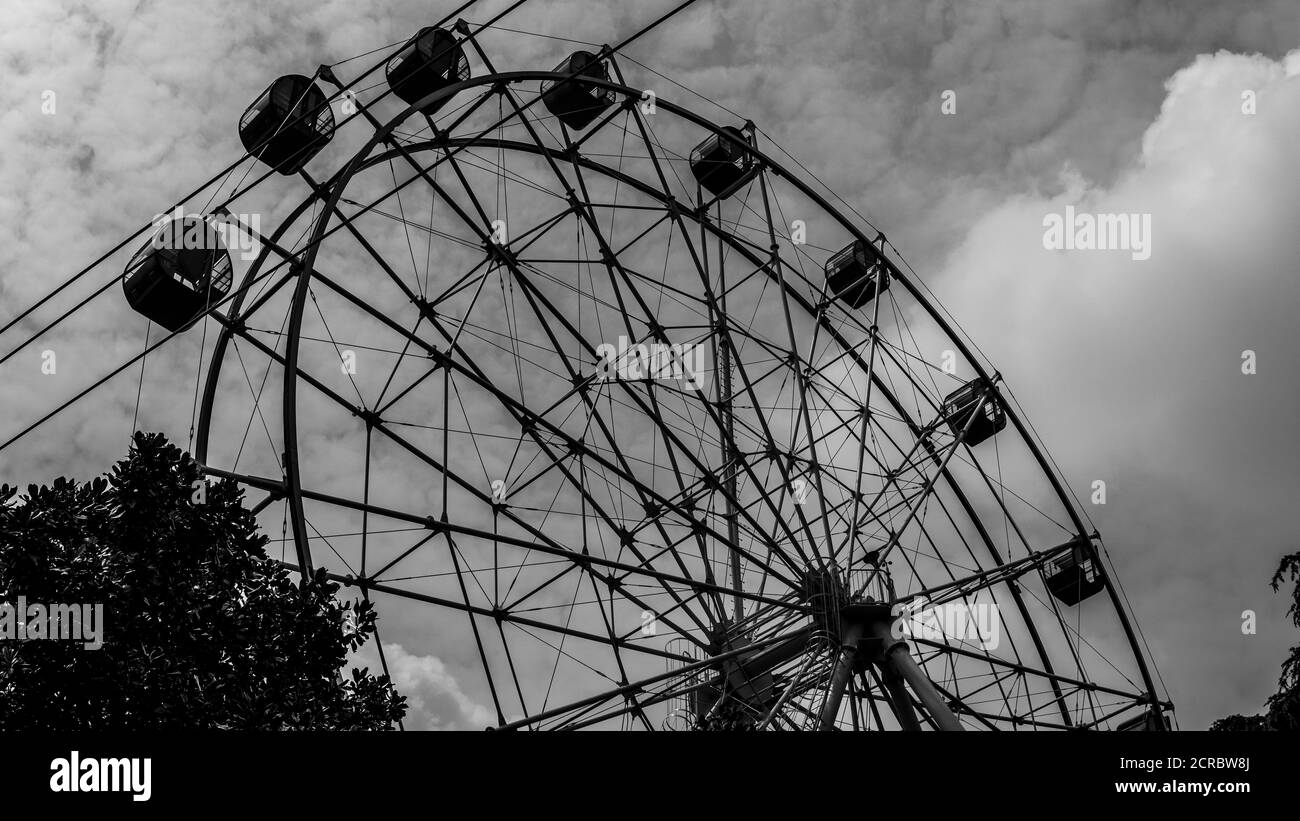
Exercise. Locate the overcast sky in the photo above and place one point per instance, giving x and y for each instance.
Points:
(1130, 370)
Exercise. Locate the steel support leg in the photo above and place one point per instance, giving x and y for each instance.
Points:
(899, 664)
(841, 675)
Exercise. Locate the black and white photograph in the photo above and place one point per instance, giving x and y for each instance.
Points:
(406, 376)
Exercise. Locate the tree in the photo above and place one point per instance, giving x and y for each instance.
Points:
(202, 629)
(1282, 710)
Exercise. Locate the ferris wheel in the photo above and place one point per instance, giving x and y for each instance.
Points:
(615, 403)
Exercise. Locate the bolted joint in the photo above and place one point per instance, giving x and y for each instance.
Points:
(500, 254)
(425, 308)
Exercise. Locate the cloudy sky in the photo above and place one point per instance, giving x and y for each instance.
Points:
(1130, 370)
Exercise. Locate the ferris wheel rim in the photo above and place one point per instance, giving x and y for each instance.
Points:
(330, 193)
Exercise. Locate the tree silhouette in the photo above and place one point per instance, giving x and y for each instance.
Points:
(201, 628)
(1282, 710)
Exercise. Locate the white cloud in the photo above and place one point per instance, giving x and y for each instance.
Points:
(1131, 369)
(434, 697)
